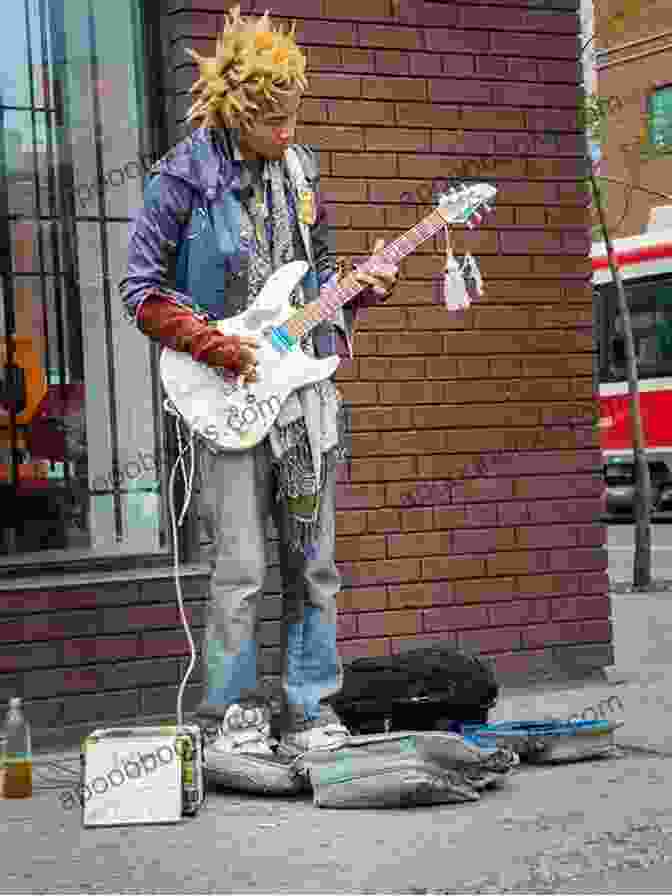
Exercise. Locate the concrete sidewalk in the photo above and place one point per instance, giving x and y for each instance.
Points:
(640, 679)
(546, 825)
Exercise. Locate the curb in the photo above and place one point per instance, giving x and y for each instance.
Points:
(656, 586)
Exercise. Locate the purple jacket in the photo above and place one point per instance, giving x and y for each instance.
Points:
(185, 240)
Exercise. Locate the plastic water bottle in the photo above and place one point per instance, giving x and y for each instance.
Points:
(17, 763)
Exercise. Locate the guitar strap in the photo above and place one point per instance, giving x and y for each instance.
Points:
(300, 183)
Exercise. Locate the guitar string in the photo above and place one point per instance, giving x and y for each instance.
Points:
(312, 314)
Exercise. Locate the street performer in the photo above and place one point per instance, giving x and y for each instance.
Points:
(222, 213)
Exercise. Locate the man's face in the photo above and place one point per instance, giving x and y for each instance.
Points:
(273, 131)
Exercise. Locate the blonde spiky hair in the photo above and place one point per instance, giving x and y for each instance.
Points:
(255, 66)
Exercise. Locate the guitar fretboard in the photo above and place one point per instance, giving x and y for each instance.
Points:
(334, 297)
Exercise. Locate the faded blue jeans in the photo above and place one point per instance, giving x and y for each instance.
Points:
(237, 500)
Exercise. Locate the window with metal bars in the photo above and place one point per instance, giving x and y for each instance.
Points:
(80, 441)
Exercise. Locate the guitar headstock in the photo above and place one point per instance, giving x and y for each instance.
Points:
(459, 206)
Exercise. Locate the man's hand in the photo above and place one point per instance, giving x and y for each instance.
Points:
(248, 359)
(382, 278)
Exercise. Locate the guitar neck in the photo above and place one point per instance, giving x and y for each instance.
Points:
(334, 297)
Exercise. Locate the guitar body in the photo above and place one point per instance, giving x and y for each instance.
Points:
(214, 404)
(235, 417)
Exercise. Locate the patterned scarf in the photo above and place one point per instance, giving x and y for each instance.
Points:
(301, 462)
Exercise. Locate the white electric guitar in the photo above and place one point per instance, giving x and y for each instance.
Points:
(234, 416)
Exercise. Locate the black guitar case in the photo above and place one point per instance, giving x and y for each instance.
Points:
(426, 689)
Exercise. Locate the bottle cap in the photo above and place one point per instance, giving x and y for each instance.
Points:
(14, 702)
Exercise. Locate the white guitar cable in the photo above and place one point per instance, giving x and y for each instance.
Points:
(170, 408)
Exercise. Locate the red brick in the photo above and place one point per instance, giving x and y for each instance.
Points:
(483, 540)
(32, 601)
(436, 13)
(418, 595)
(452, 40)
(595, 582)
(580, 607)
(525, 663)
(350, 522)
(452, 618)
(331, 137)
(396, 139)
(579, 559)
(324, 57)
(351, 497)
(156, 615)
(388, 520)
(86, 649)
(598, 630)
(353, 9)
(346, 625)
(358, 599)
(164, 644)
(592, 534)
(521, 562)
(360, 547)
(570, 510)
(365, 164)
(579, 486)
(475, 16)
(401, 622)
(425, 64)
(449, 91)
(549, 585)
(482, 591)
(326, 33)
(351, 112)
(386, 36)
(362, 648)
(521, 612)
(463, 567)
(462, 142)
(535, 45)
(355, 60)
(339, 190)
(419, 544)
(520, 241)
(482, 489)
(545, 536)
(381, 572)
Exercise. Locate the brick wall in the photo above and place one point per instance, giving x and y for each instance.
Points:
(512, 559)
(92, 651)
(491, 411)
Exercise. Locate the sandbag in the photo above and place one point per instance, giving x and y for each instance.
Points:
(252, 773)
(404, 769)
(423, 689)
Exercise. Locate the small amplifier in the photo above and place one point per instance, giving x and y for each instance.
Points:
(152, 775)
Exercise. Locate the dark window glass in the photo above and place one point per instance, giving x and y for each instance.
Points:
(78, 470)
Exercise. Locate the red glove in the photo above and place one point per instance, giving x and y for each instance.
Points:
(178, 328)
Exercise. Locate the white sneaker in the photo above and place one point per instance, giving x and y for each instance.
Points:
(243, 731)
(322, 737)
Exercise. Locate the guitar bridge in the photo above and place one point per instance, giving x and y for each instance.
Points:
(281, 339)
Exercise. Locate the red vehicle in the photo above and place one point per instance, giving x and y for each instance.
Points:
(645, 262)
